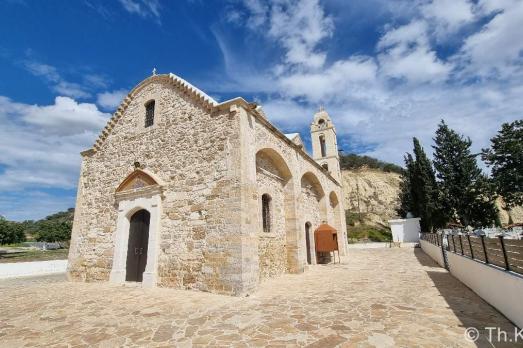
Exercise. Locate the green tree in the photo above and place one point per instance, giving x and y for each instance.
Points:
(424, 189)
(465, 192)
(11, 232)
(53, 231)
(353, 161)
(418, 189)
(505, 157)
(405, 189)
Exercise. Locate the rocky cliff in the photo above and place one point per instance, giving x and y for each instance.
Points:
(373, 195)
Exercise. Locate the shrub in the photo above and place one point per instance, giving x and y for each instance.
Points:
(11, 232)
(53, 231)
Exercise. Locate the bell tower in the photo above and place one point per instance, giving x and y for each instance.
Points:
(324, 143)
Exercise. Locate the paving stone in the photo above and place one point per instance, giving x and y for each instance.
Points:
(375, 298)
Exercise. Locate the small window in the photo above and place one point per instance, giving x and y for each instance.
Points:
(323, 146)
(325, 166)
(149, 114)
(321, 123)
(266, 212)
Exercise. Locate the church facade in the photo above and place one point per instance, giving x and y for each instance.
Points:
(182, 191)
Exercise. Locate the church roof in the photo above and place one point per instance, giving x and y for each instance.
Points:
(207, 101)
(186, 85)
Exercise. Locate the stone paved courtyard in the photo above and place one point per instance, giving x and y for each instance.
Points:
(376, 297)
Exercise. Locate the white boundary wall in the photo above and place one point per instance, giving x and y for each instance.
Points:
(405, 230)
(24, 269)
(500, 288)
(433, 251)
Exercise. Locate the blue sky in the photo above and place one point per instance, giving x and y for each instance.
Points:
(386, 70)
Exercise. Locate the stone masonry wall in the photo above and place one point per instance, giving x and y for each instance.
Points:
(271, 245)
(189, 149)
(307, 208)
(210, 222)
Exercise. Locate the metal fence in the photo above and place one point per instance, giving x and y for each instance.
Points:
(502, 252)
(432, 238)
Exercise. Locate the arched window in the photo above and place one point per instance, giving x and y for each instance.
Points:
(149, 113)
(322, 146)
(325, 166)
(321, 123)
(266, 212)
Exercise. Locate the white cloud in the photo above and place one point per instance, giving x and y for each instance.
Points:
(41, 145)
(416, 65)
(414, 32)
(111, 100)
(95, 80)
(57, 82)
(297, 25)
(497, 49)
(64, 117)
(448, 15)
(406, 54)
(143, 8)
(342, 78)
(380, 102)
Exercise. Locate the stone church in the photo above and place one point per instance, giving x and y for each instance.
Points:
(184, 192)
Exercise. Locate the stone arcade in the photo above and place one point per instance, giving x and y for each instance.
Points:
(182, 191)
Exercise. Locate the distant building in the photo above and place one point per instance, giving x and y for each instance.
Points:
(182, 191)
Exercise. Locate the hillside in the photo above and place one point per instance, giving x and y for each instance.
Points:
(371, 194)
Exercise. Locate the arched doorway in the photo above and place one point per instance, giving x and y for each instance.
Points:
(137, 246)
(308, 241)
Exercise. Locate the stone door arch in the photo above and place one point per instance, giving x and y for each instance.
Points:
(138, 192)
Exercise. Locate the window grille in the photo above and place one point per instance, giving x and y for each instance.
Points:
(266, 212)
(149, 114)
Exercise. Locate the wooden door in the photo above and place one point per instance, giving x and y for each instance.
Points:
(137, 246)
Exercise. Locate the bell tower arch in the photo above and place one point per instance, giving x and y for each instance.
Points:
(325, 144)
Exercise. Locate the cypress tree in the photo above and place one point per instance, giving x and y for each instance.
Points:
(424, 188)
(418, 189)
(466, 195)
(505, 156)
(405, 196)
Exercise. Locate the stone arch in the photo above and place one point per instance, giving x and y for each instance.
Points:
(277, 251)
(312, 205)
(138, 179)
(312, 183)
(277, 160)
(333, 199)
(129, 214)
(139, 191)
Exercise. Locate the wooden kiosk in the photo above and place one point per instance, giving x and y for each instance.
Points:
(326, 241)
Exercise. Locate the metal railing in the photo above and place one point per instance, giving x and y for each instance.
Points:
(500, 251)
(432, 238)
